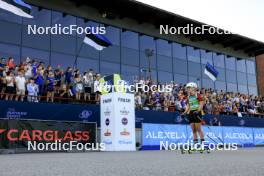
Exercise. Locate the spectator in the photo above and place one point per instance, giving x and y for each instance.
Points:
(64, 94)
(50, 86)
(10, 63)
(68, 76)
(20, 81)
(40, 81)
(32, 90)
(10, 86)
(97, 88)
(78, 86)
(88, 84)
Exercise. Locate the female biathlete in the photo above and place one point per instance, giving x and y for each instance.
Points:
(194, 111)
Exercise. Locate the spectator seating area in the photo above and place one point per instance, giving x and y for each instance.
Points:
(34, 81)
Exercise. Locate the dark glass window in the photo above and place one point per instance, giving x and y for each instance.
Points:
(219, 60)
(35, 54)
(241, 65)
(230, 63)
(242, 89)
(180, 79)
(206, 57)
(109, 68)
(129, 56)
(207, 83)
(8, 16)
(164, 63)
(129, 73)
(231, 76)
(64, 43)
(7, 51)
(165, 77)
(220, 85)
(10, 32)
(84, 64)
(63, 60)
(193, 54)
(180, 66)
(252, 80)
(147, 42)
(179, 51)
(251, 67)
(242, 78)
(111, 53)
(144, 62)
(129, 39)
(113, 34)
(231, 87)
(194, 69)
(163, 48)
(252, 90)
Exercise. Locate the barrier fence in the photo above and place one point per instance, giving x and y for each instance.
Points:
(154, 134)
(16, 134)
(91, 113)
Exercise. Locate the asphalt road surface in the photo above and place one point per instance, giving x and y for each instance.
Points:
(242, 162)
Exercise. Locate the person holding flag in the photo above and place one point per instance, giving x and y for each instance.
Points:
(194, 110)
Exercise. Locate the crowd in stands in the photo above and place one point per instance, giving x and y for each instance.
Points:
(33, 81)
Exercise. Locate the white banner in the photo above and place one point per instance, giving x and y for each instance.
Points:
(118, 121)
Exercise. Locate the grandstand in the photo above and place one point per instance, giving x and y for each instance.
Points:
(49, 83)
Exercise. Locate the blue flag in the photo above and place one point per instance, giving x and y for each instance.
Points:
(210, 71)
(17, 7)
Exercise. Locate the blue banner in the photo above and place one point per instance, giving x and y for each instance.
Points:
(239, 135)
(91, 113)
(154, 134)
(213, 134)
(258, 136)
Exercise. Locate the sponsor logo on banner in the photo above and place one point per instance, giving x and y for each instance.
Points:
(107, 112)
(13, 114)
(124, 121)
(107, 123)
(44, 135)
(85, 114)
(124, 111)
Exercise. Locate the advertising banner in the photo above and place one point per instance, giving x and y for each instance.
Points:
(258, 136)
(154, 134)
(213, 134)
(239, 135)
(118, 122)
(27, 134)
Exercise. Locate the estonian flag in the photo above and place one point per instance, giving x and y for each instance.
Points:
(99, 42)
(210, 71)
(17, 7)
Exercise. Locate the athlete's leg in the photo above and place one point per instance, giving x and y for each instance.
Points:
(200, 131)
(194, 131)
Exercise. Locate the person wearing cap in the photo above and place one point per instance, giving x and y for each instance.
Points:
(194, 111)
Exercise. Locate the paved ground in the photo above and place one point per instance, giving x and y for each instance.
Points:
(143, 163)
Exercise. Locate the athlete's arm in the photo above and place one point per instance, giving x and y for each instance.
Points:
(201, 103)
